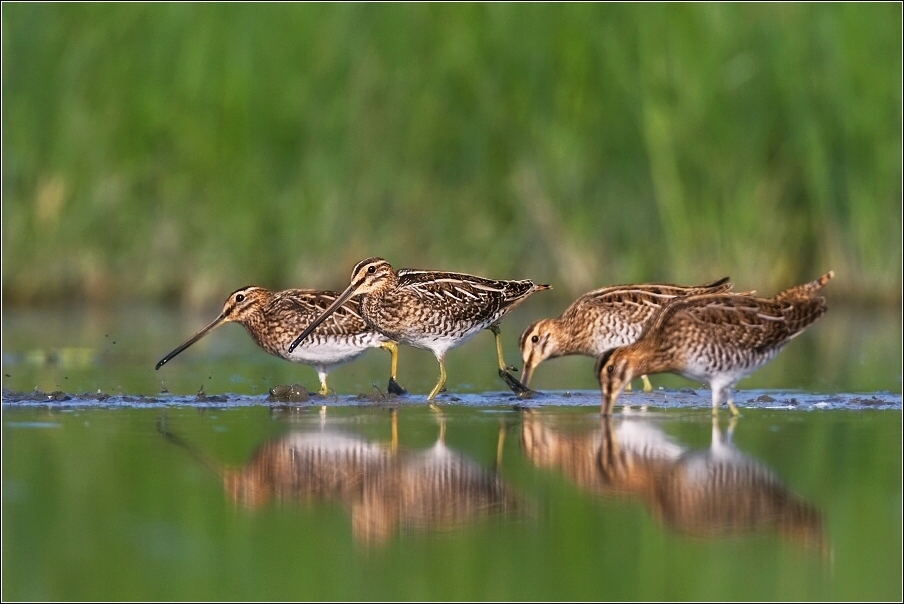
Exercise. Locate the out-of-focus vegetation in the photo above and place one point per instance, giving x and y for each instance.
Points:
(176, 152)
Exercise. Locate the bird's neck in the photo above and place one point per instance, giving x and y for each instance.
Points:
(648, 358)
(580, 340)
(255, 323)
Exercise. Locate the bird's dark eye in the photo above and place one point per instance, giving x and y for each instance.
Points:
(535, 339)
(610, 369)
(240, 297)
(371, 269)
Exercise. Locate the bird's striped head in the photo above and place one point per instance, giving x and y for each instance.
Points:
(245, 302)
(369, 275)
(614, 370)
(538, 342)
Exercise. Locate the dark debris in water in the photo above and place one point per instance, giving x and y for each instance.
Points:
(294, 393)
(659, 399)
(373, 397)
(377, 396)
(868, 402)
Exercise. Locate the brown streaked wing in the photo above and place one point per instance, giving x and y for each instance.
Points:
(474, 298)
(305, 305)
(750, 322)
(655, 293)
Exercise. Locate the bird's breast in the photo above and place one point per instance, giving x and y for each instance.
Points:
(327, 350)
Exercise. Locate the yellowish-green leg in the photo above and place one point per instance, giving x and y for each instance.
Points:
(718, 394)
(647, 387)
(393, 349)
(323, 389)
(731, 405)
(520, 390)
(499, 358)
(442, 379)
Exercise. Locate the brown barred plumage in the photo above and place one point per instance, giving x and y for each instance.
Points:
(273, 318)
(432, 310)
(600, 320)
(717, 338)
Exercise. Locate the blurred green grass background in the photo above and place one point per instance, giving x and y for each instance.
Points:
(175, 152)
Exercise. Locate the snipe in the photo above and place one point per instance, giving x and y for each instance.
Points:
(273, 318)
(601, 320)
(432, 310)
(717, 338)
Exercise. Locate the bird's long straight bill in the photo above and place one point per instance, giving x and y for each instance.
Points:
(216, 322)
(348, 293)
(608, 404)
(527, 371)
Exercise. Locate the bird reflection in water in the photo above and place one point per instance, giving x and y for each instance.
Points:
(715, 492)
(386, 489)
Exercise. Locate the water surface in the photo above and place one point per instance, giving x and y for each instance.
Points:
(255, 502)
(120, 482)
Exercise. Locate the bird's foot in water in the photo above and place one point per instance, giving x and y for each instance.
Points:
(520, 390)
(395, 388)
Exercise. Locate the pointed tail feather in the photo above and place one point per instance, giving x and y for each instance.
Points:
(807, 289)
(717, 283)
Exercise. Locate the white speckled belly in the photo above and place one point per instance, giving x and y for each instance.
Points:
(706, 365)
(333, 351)
(439, 343)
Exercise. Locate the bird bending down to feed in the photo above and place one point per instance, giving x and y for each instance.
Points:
(432, 310)
(272, 319)
(601, 320)
(717, 338)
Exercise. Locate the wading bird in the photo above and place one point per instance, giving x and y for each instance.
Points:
(273, 318)
(431, 310)
(717, 338)
(601, 320)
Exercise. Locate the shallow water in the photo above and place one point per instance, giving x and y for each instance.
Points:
(686, 398)
(115, 489)
(297, 503)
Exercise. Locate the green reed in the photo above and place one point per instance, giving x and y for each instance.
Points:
(178, 152)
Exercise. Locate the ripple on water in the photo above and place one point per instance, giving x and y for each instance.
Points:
(33, 424)
(661, 399)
